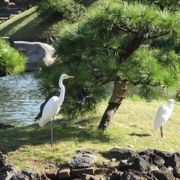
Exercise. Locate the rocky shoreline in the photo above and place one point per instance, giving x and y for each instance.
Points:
(121, 164)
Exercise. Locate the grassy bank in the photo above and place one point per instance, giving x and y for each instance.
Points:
(29, 25)
(43, 21)
(132, 128)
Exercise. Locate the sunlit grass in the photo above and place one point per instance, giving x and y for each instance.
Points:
(11, 61)
(131, 128)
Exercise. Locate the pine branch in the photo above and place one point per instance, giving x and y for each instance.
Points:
(145, 82)
(127, 29)
(151, 36)
(131, 48)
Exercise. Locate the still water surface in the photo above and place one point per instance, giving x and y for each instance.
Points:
(20, 98)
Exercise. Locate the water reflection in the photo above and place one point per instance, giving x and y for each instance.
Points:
(20, 98)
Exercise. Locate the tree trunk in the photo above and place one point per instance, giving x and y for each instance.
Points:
(119, 91)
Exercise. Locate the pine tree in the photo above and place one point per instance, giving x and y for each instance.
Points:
(122, 42)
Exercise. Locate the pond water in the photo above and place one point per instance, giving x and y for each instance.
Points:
(20, 98)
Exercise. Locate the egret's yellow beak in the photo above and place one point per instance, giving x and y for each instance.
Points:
(70, 77)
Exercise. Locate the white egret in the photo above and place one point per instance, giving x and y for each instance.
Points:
(54, 93)
(53, 105)
(163, 114)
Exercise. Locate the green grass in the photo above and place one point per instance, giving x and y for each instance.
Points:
(131, 128)
(11, 61)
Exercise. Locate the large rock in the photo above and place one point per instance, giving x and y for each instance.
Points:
(165, 155)
(8, 172)
(131, 175)
(120, 153)
(175, 164)
(157, 160)
(124, 166)
(64, 173)
(82, 160)
(140, 164)
(79, 172)
(29, 174)
(154, 158)
(163, 174)
(37, 53)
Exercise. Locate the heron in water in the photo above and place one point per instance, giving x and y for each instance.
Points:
(51, 108)
(163, 114)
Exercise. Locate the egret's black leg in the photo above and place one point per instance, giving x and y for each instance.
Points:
(52, 132)
(161, 129)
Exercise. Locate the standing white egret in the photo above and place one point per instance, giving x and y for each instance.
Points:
(163, 114)
(53, 105)
(54, 93)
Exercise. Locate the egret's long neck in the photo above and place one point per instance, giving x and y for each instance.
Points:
(62, 94)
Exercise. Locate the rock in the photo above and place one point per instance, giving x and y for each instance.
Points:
(30, 174)
(147, 158)
(100, 170)
(20, 177)
(147, 152)
(157, 160)
(48, 176)
(115, 175)
(2, 160)
(177, 153)
(123, 166)
(63, 174)
(90, 177)
(131, 175)
(37, 53)
(175, 164)
(120, 153)
(79, 172)
(82, 161)
(140, 164)
(176, 172)
(163, 174)
(8, 172)
(144, 165)
(174, 161)
(165, 155)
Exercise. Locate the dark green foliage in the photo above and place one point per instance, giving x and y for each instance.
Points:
(172, 5)
(67, 9)
(11, 61)
(117, 40)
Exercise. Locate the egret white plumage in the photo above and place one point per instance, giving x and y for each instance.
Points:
(54, 93)
(53, 105)
(163, 114)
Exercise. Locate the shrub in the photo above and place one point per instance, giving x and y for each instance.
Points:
(67, 9)
(11, 61)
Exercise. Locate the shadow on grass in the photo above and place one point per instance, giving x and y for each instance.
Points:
(15, 23)
(140, 134)
(35, 28)
(30, 26)
(12, 139)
